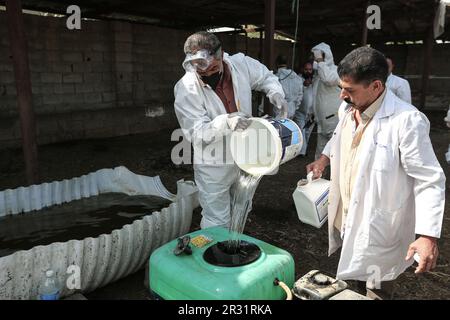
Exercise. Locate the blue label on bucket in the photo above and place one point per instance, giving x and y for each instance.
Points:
(294, 131)
(289, 135)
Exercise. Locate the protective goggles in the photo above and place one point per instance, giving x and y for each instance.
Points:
(200, 60)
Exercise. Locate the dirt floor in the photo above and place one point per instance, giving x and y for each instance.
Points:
(273, 218)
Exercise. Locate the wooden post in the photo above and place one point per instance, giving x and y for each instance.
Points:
(19, 52)
(246, 40)
(364, 26)
(427, 56)
(246, 43)
(269, 31)
(261, 46)
(301, 47)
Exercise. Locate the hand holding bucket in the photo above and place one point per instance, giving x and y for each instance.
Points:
(238, 121)
(278, 101)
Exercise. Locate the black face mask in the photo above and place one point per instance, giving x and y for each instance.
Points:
(212, 80)
(307, 75)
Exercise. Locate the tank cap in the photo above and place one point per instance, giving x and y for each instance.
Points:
(183, 246)
(302, 182)
(321, 279)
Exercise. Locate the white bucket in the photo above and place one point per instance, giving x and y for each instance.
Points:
(265, 144)
(311, 200)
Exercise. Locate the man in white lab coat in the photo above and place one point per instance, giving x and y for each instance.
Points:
(399, 86)
(326, 99)
(386, 185)
(213, 98)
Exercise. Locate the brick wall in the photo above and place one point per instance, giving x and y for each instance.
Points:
(102, 80)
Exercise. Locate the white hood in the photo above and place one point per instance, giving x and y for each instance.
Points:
(327, 50)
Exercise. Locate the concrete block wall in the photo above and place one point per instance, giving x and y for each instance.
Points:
(99, 81)
(95, 82)
(409, 64)
(104, 79)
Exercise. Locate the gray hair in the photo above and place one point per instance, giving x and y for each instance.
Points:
(203, 40)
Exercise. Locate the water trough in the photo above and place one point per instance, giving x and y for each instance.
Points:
(102, 259)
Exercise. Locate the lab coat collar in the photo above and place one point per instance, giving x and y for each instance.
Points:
(387, 106)
(386, 110)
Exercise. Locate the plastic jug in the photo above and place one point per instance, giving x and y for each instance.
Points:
(311, 200)
(265, 145)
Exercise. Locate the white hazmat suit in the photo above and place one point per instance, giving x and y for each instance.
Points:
(326, 100)
(203, 119)
(399, 86)
(303, 114)
(293, 89)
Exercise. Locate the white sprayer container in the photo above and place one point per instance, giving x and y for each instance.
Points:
(311, 200)
(265, 145)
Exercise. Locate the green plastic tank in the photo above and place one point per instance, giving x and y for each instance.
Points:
(248, 275)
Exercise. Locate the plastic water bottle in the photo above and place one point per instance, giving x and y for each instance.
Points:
(49, 289)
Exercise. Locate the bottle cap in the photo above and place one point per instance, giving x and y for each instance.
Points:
(49, 273)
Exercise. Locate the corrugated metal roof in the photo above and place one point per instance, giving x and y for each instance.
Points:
(319, 20)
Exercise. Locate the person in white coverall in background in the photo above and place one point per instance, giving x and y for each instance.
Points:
(292, 85)
(386, 184)
(304, 116)
(213, 98)
(399, 86)
(326, 99)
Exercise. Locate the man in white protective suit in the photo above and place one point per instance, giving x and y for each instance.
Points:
(304, 116)
(292, 85)
(399, 86)
(326, 100)
(213, 98)
(387, 189)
